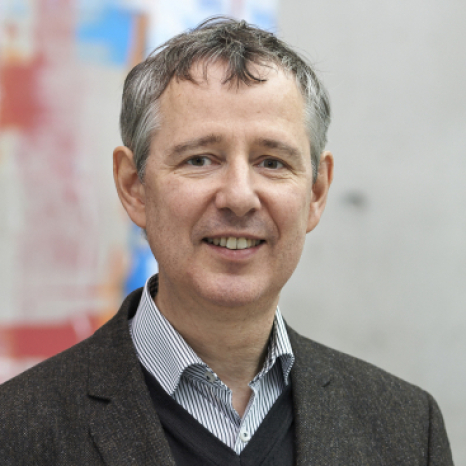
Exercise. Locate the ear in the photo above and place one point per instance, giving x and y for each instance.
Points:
(320, 190)
(129, 187)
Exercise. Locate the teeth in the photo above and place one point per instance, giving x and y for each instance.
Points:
(232, 242)
(241, 243)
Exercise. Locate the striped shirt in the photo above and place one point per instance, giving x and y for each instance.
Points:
(190, 381)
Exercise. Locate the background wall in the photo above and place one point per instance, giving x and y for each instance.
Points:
(383, 277)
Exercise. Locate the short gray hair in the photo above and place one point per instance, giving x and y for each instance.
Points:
(235, 43)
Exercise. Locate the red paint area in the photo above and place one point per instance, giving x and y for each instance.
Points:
(20, 106)
(56, 249)
(43, 341)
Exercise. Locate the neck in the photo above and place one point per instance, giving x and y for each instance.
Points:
(231, 341)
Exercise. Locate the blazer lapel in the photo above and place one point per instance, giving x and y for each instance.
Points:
(327, 432)
(123, 421)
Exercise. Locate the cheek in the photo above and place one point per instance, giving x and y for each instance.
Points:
(291, 219)
(173, 206)
(291, 212)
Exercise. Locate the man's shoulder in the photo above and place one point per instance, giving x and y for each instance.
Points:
(46, 412)
(355, 375)
(67, 373)
(32, 405)
(389, 416)
(70, 364)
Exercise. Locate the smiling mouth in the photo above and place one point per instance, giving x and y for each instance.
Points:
(231, 242)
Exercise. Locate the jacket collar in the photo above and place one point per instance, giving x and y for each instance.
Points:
(314, 416)
(328, 430)
(123, 422)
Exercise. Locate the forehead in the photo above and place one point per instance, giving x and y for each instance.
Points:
(275, 101)
(218, 75)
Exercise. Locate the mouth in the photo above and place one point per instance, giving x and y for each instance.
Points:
(232, 242)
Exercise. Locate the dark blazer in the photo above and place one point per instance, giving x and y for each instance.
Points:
(90, 406)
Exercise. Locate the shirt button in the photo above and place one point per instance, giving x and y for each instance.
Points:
(209, 376)
(244, 436)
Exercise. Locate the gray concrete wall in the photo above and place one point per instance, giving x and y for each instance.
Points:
(384, 275)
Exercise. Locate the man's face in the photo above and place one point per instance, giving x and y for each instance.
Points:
(228, 189)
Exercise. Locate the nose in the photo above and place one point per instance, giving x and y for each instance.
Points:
(237, 191)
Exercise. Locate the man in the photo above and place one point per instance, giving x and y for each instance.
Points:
(224, 168)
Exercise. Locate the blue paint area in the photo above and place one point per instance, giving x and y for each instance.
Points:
(215, 5)
(104, 35)
(16, 9)
(143, 264)
(264, 19)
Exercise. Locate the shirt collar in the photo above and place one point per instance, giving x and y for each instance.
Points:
(166, 355)
(279, 348)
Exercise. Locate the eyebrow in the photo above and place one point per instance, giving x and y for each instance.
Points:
(195, 144)
(278, 145)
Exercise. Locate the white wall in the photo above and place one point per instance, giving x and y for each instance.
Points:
(384, 275)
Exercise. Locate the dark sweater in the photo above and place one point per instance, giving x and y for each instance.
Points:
(193, 445)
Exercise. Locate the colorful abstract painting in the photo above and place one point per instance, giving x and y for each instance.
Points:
(68, 252)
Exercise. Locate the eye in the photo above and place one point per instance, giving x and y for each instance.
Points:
(200, 161)
(271, 164)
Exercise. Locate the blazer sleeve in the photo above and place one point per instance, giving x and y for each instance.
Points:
(439, 446)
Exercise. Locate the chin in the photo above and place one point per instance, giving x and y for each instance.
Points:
(235, 292)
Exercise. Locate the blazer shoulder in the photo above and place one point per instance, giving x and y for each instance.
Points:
(369, 390)
(68, 370)
(50, 404)
(46, 383)
(33, 403)
(382, 405)
(355, 372)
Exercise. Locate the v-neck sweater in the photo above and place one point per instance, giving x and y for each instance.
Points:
(193, 445)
